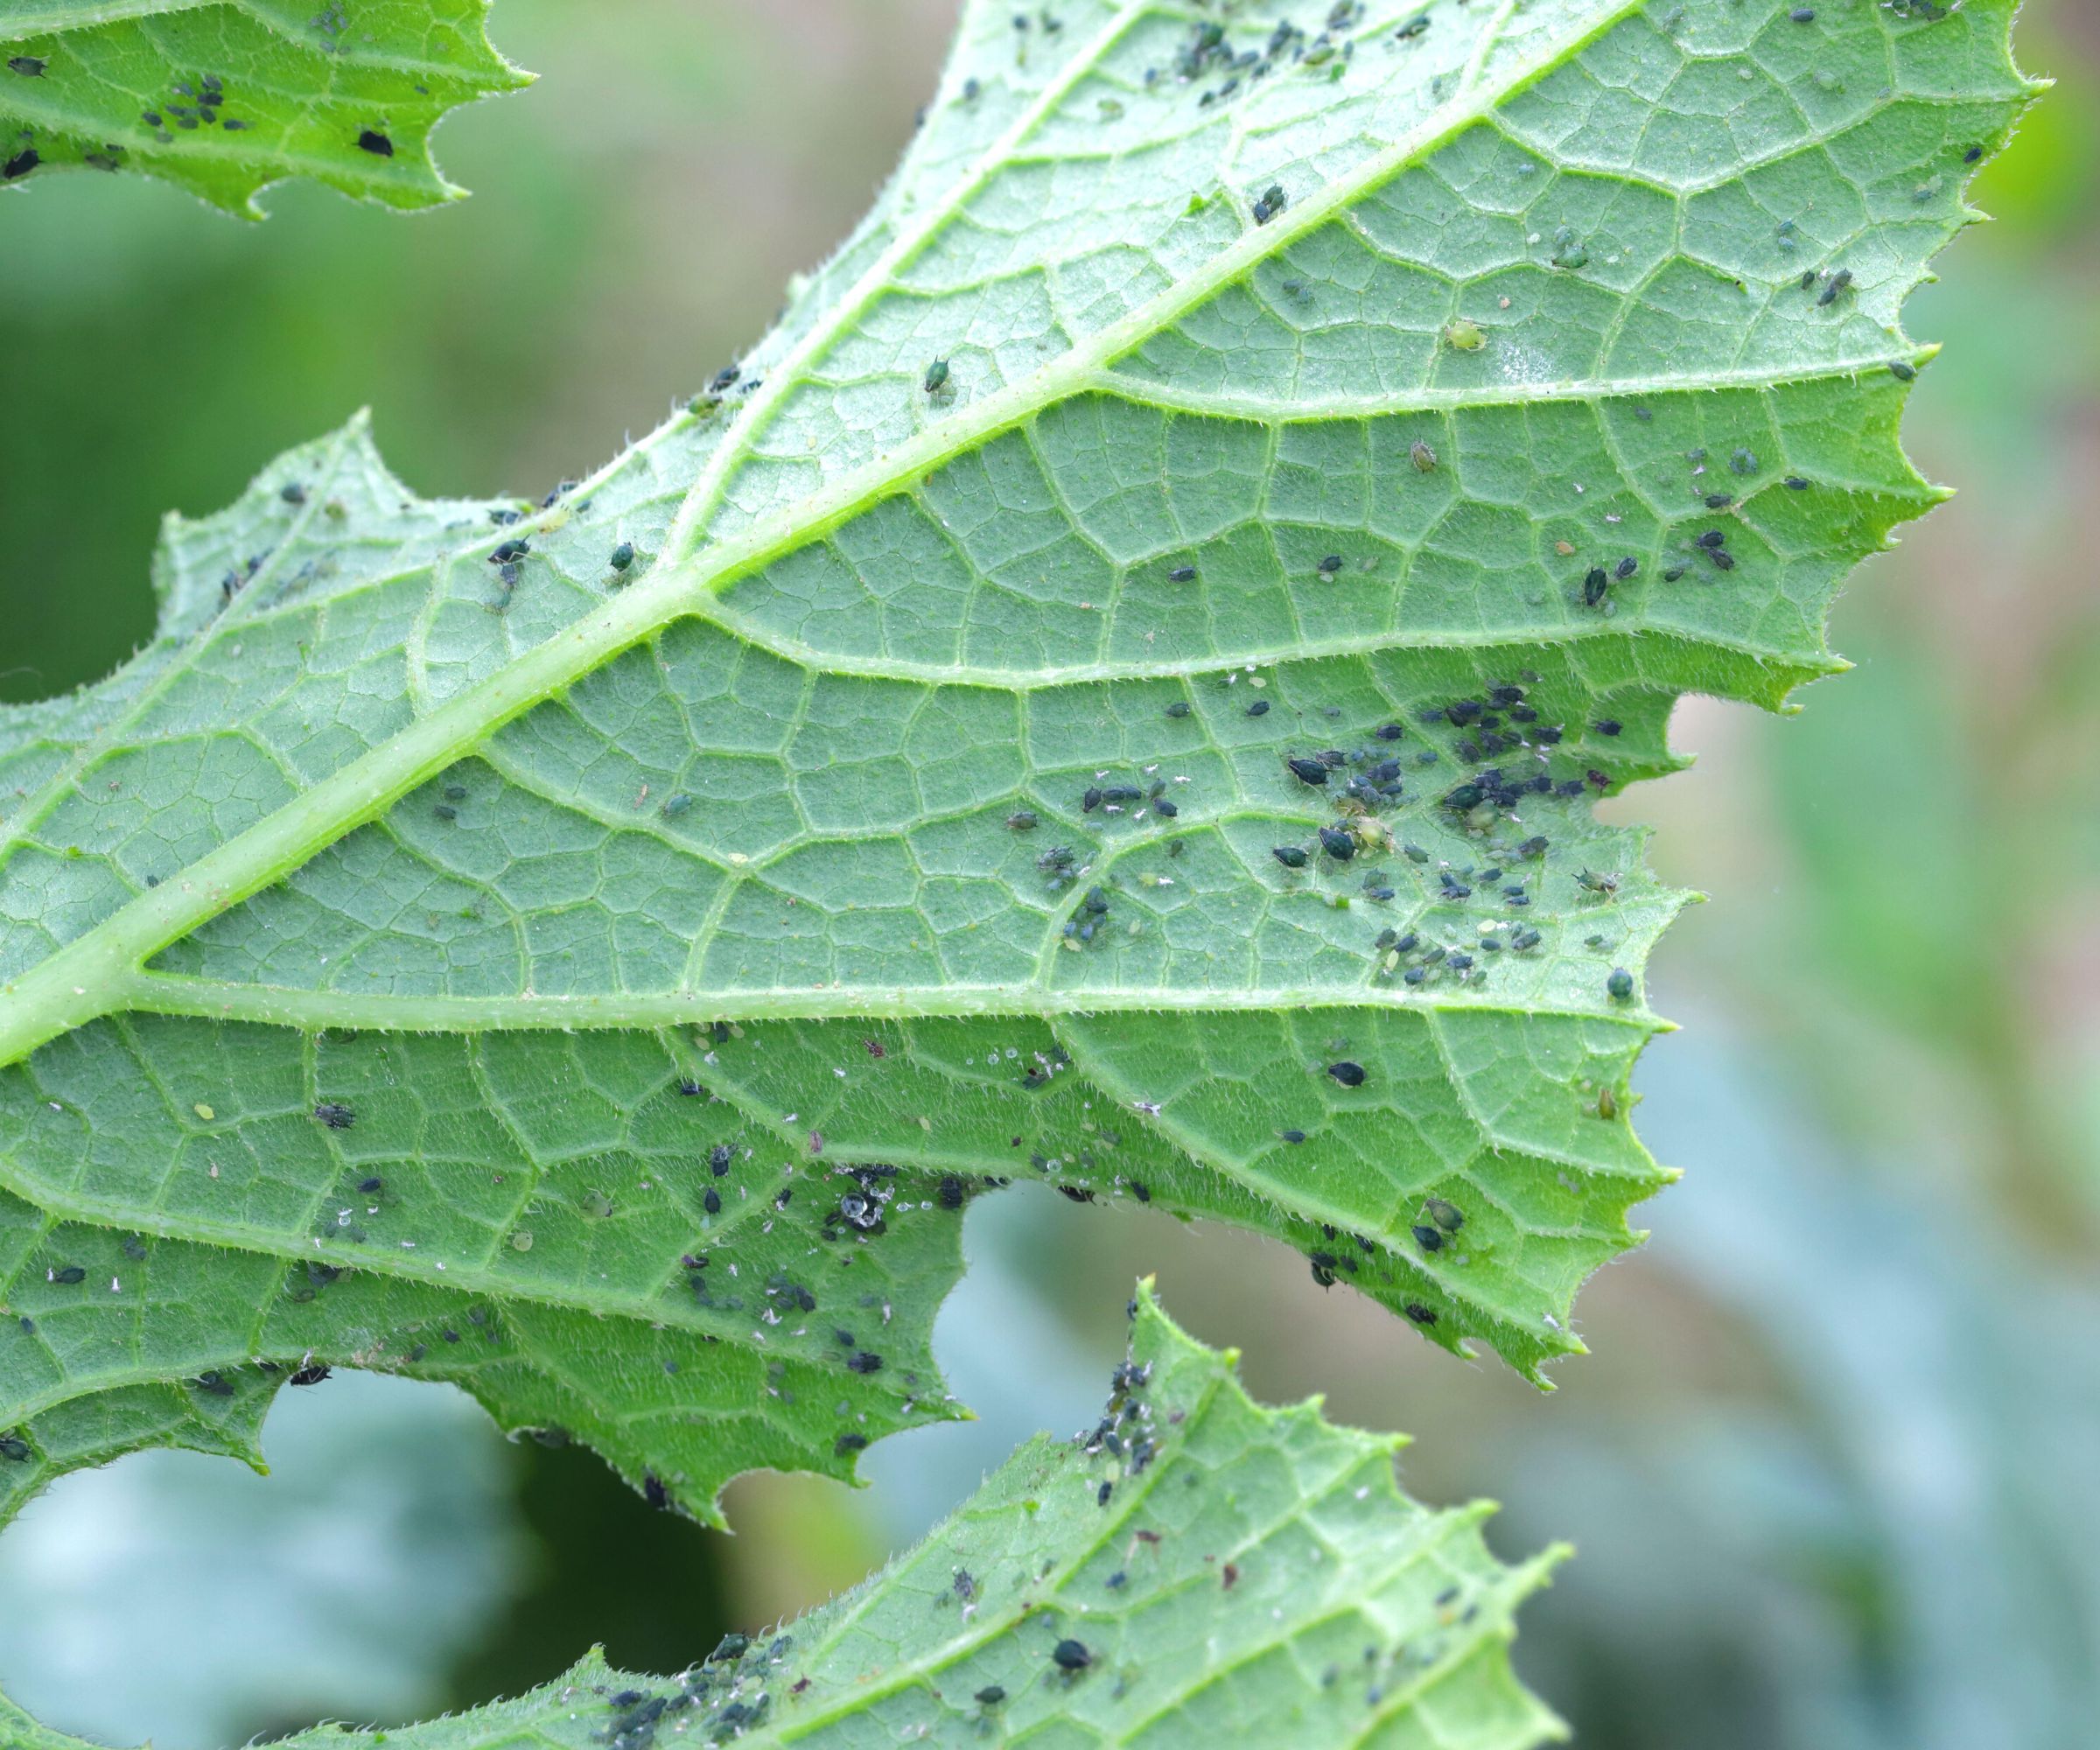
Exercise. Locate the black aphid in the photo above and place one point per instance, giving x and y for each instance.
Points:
(1594, 587)
(312, 1373)
(371, 1187)
(622, 556)
(23, 161)
(1259, 708)
(936, 376)
(31, 66)
(1429, 1239)
(1307, 771)
(375, 143)
(1621, 984)
(990, 1695)
(1270, 204)
(1718, 500)
(1071, 1656)
(1180, 708)
(1607, 726)
(1901, 371)
(1291, 1136)
(1834, 287)
(1337, 843)
(1349, 1075)
(1625, 567)
(711, 1201)
(14, 1448)
(1329, 564)
(335, 1115)
(70, 1276)
(864, 1362)
(1445, 1215)
(1182, 574)
(1419, 1314)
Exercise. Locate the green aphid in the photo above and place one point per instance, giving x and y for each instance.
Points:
(1448, 1215)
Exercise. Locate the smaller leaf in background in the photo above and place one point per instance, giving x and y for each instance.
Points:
(1195, 1569)
(225, 99)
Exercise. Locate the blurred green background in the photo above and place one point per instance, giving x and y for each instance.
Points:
(1830, 1466)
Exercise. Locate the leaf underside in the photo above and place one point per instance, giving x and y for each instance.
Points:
(593, 951)
(1231, 1574)
(224, 97)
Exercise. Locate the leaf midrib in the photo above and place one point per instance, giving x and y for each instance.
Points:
(168, 993)
(89, 976)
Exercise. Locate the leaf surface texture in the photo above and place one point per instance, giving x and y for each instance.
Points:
(594, 951)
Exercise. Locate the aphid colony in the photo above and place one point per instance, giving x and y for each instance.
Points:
(1207, 53)
(1360, 784)
(1502, 723)
(725, 1696)
(861, 1210)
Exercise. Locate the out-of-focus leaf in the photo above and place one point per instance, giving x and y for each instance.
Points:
(224, 97)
